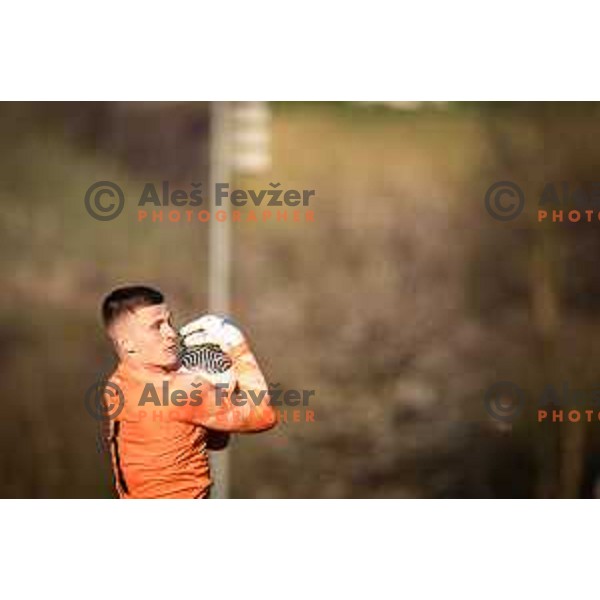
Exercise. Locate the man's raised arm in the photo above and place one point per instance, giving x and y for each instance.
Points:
(230, 408)
(245, 405)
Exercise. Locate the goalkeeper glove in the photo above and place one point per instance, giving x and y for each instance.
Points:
(212, 329)
(206, 346)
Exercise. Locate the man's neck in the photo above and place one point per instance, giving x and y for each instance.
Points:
(143, 368)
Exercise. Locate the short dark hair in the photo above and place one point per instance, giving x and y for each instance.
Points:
(127, 299)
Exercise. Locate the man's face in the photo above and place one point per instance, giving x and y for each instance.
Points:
(147, 336)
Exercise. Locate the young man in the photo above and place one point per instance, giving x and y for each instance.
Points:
(158, 438)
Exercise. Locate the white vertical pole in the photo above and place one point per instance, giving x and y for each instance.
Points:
(239, 140)
(219, 259)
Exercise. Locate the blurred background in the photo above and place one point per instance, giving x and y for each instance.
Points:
(399, 305)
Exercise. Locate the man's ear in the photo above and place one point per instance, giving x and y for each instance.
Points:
(119, 335)
(125, 346)
(121, 343)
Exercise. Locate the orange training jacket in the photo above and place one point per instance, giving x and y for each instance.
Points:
(159, 451)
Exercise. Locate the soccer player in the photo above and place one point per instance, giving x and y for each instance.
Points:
(159, 436)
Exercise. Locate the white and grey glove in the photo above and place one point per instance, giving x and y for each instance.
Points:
(215, 329)
(206, 344)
